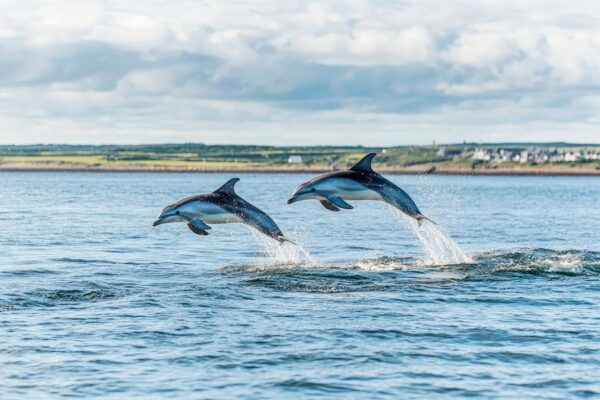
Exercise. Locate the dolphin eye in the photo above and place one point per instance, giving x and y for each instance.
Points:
(312, 190)
(177, 212)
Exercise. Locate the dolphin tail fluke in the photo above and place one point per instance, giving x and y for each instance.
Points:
(420, 219)
(283, 239)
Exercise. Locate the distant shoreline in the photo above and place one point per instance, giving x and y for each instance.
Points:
(304, 170)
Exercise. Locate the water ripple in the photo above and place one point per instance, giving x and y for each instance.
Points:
(95, 303)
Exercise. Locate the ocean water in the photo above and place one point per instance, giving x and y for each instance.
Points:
(500, 300)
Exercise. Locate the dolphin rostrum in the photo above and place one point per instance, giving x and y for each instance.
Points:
(358, 183)
(219, 207)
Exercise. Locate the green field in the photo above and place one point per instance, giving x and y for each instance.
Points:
(200, 156)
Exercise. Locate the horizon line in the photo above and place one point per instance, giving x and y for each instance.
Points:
(433, 144)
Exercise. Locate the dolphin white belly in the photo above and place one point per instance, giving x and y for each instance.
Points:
(349, 190)
(211, 213)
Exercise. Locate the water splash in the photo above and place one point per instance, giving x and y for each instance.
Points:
(282, 253)
(383, 264)
(437, 245)
(540, 261)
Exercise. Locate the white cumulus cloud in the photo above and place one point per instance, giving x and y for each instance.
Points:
(356, 71)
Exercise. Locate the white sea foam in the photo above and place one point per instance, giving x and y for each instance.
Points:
(374, 265)
(564, 263)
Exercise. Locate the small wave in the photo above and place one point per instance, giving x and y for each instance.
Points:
(82, 260)
(29, 272)
(390, 273)
(54, 297)
(299, 285)
(386, 263)
(378, 264)
(304, 385)
(539, 262)
(77, 295)
(267, 268)
(567, 262)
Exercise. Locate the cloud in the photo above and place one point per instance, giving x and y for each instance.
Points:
(353, 71)
(361, 47)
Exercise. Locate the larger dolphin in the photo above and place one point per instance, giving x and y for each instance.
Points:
(219, 207)
(358, 183)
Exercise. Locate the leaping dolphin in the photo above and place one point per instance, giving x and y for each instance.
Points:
(219, 207)
(358, 183)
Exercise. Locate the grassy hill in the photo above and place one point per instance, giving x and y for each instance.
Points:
(199, 156)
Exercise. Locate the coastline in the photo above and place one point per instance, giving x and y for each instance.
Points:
(304, 170)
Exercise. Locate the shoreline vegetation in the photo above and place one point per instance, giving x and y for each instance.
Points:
(548, 159)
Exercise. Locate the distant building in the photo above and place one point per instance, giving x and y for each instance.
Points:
(480, 155)
(572, 156)
(505, 155)
(295, 160)
(524, 157)
(533, 154)
(442, 152)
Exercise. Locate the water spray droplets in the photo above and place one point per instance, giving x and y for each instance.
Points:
(282, 253)
(438, 246)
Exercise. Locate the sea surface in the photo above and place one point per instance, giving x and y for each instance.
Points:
(500, 300)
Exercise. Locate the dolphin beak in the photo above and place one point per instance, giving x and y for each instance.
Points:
(292, 200)
(167, 218)
(157, 222)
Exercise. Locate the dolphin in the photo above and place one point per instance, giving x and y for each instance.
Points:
(358, 183)
(219, 207)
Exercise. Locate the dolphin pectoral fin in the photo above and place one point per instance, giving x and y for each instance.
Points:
(328, 205)
(197, 231)
(339, 202)
(198, 227)
(198, 223)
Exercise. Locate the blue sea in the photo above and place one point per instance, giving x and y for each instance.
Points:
(500, 300)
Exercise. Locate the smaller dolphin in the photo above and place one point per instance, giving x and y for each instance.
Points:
(219, 207)
(358, 183)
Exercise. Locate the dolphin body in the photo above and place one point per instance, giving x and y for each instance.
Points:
(358, 183)
(219, 207)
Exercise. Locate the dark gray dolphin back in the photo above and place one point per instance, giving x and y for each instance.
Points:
(228, 199)
(363, 173)
(228, 187)
(364, 165)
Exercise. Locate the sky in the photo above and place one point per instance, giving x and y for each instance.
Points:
(299, 72)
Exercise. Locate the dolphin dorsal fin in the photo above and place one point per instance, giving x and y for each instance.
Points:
(228, 187)
(365, 163)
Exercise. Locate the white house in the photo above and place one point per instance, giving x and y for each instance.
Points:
(295, 160)
(524, 157)
(480, 154)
